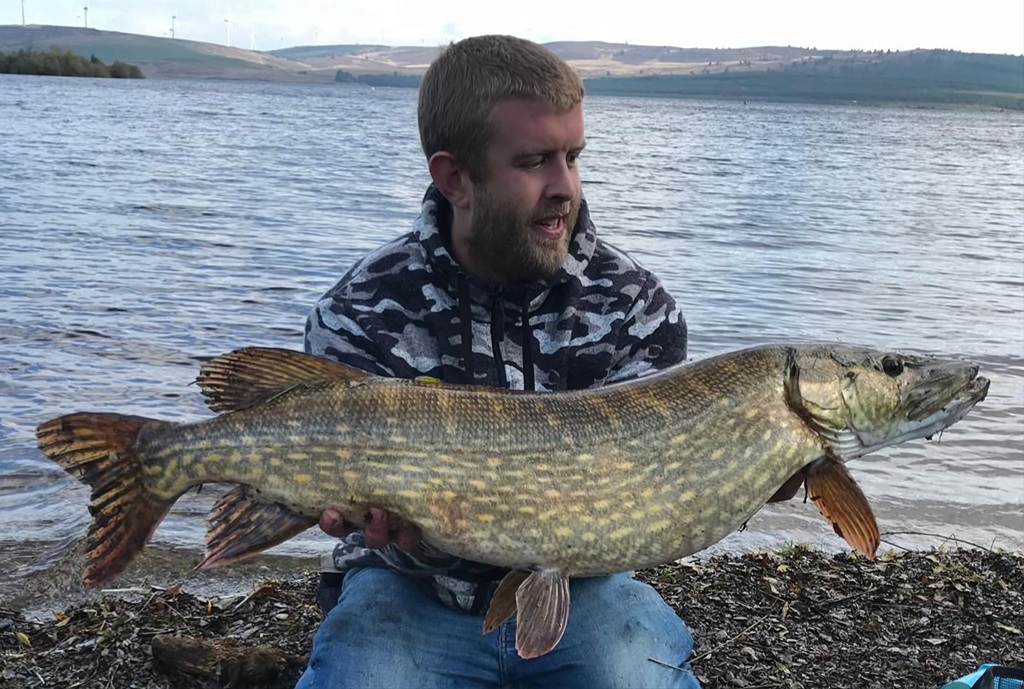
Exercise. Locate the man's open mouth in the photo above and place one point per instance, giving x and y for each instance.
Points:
(552, 226)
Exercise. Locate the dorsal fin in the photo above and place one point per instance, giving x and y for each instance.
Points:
(250, 376)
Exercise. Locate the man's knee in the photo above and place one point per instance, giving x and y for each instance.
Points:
(364, 640)
(636, 637)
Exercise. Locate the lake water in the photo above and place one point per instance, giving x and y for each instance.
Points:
(149, 225)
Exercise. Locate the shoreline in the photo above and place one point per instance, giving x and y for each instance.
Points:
(795, 618)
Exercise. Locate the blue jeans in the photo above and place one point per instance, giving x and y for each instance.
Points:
(388, 632)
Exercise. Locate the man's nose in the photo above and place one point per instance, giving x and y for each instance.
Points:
(563, 181)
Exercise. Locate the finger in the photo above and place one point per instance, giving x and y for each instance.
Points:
(375, 531)
(408, 536)
(333, 524)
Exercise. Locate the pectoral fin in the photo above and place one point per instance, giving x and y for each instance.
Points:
(542, 612)
(241, 525)
(503, 602)
(841, 501)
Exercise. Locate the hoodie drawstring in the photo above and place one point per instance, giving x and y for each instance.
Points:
(497, 335)
(466, 316)
(528, 382)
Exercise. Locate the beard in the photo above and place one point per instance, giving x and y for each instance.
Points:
(504, 243)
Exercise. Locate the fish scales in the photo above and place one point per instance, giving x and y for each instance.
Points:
(422, 452)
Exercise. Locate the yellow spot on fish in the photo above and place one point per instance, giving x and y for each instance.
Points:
(298, 456)
(302, 478)
(526, 509)
(588, 537)
(478, 484)
(659, 525)
(448, 495)
(621, 533)
(647, 492)
(766, 436)
(350, 476)
(679, 439)
(399, 439)
(717, 454)
(485, 517)
(408, 494)
(343, 454)
(584, 457)
(563, 531)
(602, 504)
(673, 466)
(493, 462)
(410, 469)
(552, 494)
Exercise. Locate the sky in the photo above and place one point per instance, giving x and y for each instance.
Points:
(991, 26)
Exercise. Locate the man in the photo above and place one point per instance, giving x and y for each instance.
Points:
(501, 282)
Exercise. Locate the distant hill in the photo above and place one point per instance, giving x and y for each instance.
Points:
(917, 77)
(156, 56)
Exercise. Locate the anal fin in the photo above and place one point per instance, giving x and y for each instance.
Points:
(542, 612)
(242, 525)
(503, 602)
(841, 501)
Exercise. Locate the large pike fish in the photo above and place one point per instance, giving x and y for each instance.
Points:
(552, 485)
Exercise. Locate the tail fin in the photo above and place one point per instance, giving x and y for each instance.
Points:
(99, 449)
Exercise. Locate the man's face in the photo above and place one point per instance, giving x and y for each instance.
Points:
(525, 208)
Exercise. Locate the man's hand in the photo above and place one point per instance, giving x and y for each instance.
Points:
(381, 528)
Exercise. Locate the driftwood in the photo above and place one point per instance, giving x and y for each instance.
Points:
(222, 660)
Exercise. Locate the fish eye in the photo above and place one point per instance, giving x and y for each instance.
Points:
(892, 367)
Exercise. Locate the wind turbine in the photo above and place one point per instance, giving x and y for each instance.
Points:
(227, 22)
(85, 16)
(173, 17)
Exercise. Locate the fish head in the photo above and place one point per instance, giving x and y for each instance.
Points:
(862, 399)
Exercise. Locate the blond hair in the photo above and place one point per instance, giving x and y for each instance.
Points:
(461, 87)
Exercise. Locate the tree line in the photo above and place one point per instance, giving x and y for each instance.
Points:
(59, 62)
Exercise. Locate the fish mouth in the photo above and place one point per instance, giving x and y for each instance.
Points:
(931, 406)
(947, 391)
(941, 402)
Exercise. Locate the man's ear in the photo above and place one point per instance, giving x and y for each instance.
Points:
(451, 179)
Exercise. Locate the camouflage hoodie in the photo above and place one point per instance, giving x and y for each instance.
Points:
(408, 309)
